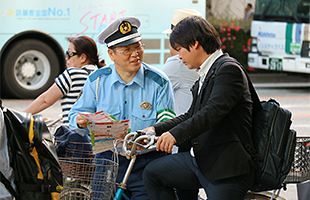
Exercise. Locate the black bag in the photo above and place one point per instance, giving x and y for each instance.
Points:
(274, 144)
(69, 143)
(273, 140)
(36, 170)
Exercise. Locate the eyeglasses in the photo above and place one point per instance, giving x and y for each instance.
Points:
(129, 51)
(70, 54)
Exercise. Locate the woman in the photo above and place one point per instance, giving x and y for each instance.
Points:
(82, 59)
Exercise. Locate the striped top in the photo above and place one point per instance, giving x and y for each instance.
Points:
(71, 83)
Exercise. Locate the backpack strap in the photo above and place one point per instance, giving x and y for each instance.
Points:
(226, 60)
(7, 185)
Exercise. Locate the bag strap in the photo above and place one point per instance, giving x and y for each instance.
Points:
(226, 60)
(8, 185)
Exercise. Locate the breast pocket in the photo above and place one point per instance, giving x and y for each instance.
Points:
(142, 118)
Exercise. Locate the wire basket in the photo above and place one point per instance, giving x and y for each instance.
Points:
(300, 170)
(75, 150)
(88, 178)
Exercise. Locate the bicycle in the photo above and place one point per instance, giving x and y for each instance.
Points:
(87, 177)
(133, 145)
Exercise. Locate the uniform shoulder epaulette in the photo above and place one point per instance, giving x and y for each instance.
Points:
(100, 72)
(156, 77)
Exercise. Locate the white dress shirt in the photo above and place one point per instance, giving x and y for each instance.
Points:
(202, 72)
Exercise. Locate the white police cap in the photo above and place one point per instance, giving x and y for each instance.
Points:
(179, 15)
(121, 32)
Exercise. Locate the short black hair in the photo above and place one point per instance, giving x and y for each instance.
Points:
(192, 29)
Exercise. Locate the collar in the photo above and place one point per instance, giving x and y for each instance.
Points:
(206, 65)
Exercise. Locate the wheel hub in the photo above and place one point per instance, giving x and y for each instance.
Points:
(32, 69)
(28, 70)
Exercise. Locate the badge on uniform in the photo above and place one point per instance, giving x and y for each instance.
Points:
(125, 27)
(146, 105)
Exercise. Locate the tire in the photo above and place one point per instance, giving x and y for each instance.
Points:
(75, 194)
(29, 68)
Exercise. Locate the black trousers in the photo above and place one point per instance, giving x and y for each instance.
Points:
(180, 171)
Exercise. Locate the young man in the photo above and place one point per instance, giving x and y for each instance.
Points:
(220, 114)
(127, 89)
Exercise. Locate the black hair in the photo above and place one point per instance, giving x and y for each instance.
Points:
(192, 29)
(86, 45)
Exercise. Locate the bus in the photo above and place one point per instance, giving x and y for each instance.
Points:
(33, 35)
(280, 34)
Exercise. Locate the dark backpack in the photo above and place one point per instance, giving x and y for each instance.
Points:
(273, 140)
(36, 170)
(274, 143)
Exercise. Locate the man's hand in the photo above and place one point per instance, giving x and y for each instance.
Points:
(165, 142)
(81, 121)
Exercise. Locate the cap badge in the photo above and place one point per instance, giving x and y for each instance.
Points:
(125, 27)
(146, 105)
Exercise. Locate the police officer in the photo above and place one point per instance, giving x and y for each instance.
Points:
(127, 89)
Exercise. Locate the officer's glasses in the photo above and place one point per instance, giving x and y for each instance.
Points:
(128, 51)
(70, 54)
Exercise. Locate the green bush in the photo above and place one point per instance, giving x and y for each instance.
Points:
(235, 37)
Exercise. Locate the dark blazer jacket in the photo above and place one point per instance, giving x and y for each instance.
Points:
(218, 117)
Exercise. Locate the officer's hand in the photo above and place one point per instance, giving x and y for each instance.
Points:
(81, 121)
(165, 142)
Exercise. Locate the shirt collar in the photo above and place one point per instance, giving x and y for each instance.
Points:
(204, 68)
(139, 78)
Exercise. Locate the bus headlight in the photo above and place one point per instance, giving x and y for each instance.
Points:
(254, 45)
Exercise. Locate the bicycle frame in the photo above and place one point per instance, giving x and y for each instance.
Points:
(135, 139)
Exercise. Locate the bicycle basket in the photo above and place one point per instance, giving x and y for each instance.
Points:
(300, 170)
(88, 178)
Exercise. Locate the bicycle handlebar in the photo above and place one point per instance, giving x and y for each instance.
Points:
(139, 142)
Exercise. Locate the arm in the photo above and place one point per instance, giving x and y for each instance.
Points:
(45, 100)
(86, 103)
(165, 103)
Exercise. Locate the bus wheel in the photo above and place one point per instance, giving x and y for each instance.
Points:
(29, 68)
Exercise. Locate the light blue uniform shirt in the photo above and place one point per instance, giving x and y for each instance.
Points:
(124, 101)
